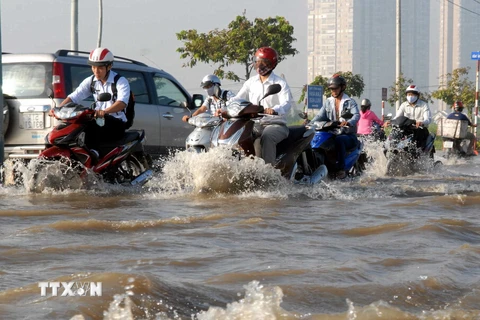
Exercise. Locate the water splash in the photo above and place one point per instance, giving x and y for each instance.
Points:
(259, 303)
(218, 172)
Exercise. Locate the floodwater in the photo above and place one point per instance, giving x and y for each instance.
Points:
(212, 238)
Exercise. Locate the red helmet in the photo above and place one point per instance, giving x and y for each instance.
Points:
(268, 54)
(458, 106)
(100, 57)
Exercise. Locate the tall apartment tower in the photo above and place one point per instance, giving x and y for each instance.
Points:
(359, 36)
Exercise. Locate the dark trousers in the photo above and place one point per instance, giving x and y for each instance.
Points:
(420, 135)
(344, 142)
(96, 136)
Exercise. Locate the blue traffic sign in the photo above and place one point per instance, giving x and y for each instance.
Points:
(314, 97)
(475, 55)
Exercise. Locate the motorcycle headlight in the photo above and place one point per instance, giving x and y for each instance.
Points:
(66, 113)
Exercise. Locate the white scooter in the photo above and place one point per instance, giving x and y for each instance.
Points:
(199, 139)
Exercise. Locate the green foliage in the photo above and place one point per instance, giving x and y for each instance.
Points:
(455, 86)
(355, 85)
(400, 94)
(236, 44)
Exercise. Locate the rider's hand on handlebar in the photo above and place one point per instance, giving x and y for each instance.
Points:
(51, 113)
(418, 124)
(386, 123)
(270, 111)
(185, 118)
(343, 124)
(100, 113)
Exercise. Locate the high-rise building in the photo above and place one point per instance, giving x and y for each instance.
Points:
(360, 36)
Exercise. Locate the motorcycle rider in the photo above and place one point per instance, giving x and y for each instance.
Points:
(458, 115)
(415, 109)
(101, 61)
(212, 103)
(272, 128)
(369, 121)
(334, 107)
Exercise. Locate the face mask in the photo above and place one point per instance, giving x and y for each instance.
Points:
(210, 91)
(263, 70)
(364, 108)
(412, 99)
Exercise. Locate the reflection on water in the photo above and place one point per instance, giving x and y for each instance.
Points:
(214, 238)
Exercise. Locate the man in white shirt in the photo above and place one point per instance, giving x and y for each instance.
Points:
(272, 128)
(101, 61)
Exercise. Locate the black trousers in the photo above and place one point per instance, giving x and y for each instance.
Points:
(420, 135)
(96, 136)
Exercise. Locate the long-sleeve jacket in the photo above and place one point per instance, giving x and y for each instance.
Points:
(418, 112)
(253, 90)
(366, 121)
(327, 112)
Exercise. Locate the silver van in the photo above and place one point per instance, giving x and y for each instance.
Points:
(160, 100)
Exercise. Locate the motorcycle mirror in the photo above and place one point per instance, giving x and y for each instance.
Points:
(51, 96)
(104, 97)
(302, 115)
(388, 117)
(346, 114)
(271, 89)
(217, 92)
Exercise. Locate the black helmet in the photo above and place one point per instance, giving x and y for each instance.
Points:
(336, 81)
(366, 103)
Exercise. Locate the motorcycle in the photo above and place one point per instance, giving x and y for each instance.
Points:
(400, 149)
(121, 162)
(295, 158)
(199, 139)
(323, 146)
(455, 138)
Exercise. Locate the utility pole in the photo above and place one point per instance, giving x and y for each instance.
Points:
(100, 22)
(398, 68)
(74, 26)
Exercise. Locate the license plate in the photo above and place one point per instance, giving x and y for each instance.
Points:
(448, 144)
(33, 121)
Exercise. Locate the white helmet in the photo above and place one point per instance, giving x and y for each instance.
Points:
(413, 89)
(210, 79)
(100, 57)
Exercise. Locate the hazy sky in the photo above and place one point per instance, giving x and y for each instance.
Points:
(145, 30)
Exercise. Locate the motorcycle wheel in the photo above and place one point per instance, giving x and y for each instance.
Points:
(54, 174)
(130, 168)
(398, 165)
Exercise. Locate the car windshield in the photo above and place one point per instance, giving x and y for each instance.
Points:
(24, 80)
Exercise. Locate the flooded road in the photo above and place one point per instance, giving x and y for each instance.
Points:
(209, 238)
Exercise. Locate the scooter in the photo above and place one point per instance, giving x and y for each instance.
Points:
(199, 139)
(455, 139)
(121, 162)
(400, 149)
(323, 145)
(295, 158)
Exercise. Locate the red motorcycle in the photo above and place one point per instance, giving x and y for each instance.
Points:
(295, 158)
(121, 162)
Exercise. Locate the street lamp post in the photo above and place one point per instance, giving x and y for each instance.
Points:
(100, 23)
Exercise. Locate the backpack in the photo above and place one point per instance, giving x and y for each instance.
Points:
(129, 110)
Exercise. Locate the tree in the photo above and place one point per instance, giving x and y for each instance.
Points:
(403, 83)
(354, 88)
(236, 44)
(456, 86)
